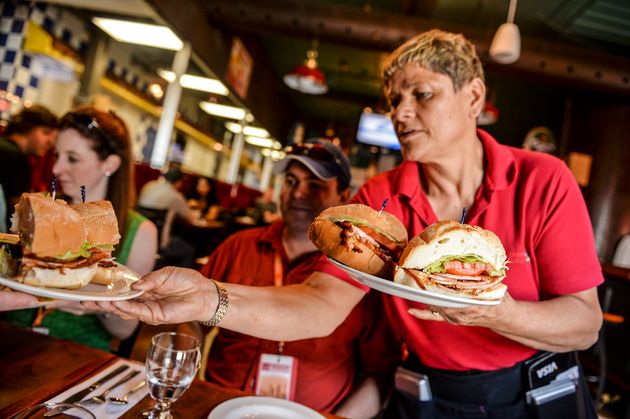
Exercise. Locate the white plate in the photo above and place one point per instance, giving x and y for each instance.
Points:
(91, 292)
(262, 408)
(412, 294)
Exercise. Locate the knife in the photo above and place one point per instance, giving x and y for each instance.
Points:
(82, 393)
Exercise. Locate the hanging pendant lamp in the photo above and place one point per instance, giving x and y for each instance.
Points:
(307, 78)
(506, 44)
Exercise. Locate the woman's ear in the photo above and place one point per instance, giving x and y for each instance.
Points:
(112, 163)
(477, 96)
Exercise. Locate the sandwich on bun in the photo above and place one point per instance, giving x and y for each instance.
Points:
(456, 259)
(102, 235)
(360, 237)
(55, 251)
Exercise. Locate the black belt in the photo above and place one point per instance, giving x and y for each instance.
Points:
(502, 386)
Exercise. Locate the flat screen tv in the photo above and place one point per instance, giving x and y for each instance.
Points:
(377, 129)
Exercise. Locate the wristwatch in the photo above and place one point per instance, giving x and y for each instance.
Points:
(222, 307)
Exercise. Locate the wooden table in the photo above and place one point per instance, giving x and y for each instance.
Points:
(34, 368)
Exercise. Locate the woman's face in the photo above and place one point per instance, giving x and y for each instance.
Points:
(429, 116)
(77, 164)
(203, 187)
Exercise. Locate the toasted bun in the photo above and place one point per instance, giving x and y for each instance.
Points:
(100, 220)
(48, 228)
(452, 238)
(326, 235)
(56, 278)
(401, 277)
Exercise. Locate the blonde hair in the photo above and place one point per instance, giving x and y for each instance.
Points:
(442, 52)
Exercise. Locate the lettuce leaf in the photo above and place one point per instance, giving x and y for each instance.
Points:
(438, 265)
(105, 247)
(83, 252)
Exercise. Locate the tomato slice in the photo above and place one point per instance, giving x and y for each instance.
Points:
(457, 267)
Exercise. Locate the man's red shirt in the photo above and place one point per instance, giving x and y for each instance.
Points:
(326, 366)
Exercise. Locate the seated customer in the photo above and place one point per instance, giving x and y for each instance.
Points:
(328, 368)
(164, 194)
(203, 199)
(31, 132)
(265, 210)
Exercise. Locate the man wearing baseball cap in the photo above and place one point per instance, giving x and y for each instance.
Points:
(324, 370)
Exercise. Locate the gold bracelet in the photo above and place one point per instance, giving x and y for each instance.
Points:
(222, 307)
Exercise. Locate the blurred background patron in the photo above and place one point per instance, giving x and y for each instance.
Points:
(31, 132)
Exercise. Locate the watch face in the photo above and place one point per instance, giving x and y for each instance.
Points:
(540, 139)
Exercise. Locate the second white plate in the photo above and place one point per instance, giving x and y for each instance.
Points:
(409, 293)
(262, 408)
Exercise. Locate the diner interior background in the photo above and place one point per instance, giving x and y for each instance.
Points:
(573, 77)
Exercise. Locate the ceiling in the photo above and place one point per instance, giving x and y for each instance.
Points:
(356, 35)
(583, 41)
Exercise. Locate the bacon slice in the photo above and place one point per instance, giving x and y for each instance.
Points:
(465, 285)
(384, 248)
(30, 261)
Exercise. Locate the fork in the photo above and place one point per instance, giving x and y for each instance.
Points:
(102, 398)
(124, 398)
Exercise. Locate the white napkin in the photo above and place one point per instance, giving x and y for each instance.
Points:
(108, 410)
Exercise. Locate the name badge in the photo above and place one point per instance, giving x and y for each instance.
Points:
(276, 376)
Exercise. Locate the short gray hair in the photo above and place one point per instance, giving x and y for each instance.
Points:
(442, 52)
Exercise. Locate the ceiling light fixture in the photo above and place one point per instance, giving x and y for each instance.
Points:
(506, 44)
(249, 130)
(260, 142)
(156, 91)
(223, 111)
(307, 78)
(139, 33)
(189, 81)
(274, 154)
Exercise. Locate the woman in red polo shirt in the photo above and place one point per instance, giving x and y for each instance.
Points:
(473, 356)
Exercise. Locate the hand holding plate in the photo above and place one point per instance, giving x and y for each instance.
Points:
(171, 295)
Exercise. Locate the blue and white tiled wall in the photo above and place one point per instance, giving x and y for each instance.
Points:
(21, 72)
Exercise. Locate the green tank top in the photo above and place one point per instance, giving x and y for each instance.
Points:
(87, 329)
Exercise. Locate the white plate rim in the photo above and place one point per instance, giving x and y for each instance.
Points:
(220, 411)
(90, 292)
(410, 293)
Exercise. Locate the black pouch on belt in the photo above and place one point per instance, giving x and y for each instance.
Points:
(413, 398)
(556, 387)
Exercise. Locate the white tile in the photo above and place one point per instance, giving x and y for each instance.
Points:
(21, 11)
(6, 71)
(5, 25)
(14, 41)
(37, 16)
(22, 76)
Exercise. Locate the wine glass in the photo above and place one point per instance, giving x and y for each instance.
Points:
(172, 363)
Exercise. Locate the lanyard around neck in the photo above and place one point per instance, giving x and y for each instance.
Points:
(278, 281)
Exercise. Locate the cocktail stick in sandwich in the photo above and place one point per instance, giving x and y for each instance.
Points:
(55, 251)
(456, 259)
(360, 237)
(102, 235)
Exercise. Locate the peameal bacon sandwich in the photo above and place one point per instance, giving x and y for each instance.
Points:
(61, 246)
(360, 237)
(456, 259)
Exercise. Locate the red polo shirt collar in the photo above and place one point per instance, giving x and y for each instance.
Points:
(272, 236)
(500, 170)
(500, 173)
